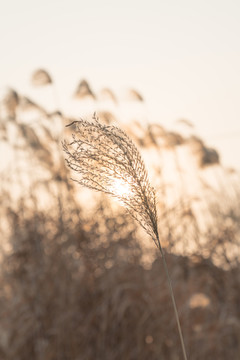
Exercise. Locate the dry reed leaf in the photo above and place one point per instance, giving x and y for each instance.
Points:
(134, 95)
(185, 122)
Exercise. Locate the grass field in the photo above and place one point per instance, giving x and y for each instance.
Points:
(80, 279)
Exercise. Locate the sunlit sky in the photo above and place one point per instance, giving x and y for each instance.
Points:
(182, 56)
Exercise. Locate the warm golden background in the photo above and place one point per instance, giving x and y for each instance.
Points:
(79, 279)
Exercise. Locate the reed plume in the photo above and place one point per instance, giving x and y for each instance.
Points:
(106, 160)
(84, 91)
(41, 77)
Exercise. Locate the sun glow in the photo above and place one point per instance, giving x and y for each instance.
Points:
(121, 188)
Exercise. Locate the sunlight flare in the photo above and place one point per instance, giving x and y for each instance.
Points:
(122, 188)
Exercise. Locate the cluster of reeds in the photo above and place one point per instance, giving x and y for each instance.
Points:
(79, 279)
(77, 288)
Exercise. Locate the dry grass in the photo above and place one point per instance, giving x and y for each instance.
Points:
(79, 285)
(87, 295)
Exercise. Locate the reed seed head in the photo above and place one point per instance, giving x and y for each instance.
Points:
(41, 78)
(105, 159)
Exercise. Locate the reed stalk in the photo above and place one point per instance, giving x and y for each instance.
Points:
(105, 159)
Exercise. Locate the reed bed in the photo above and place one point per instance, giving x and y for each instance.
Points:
(70, 291)
(80, 283)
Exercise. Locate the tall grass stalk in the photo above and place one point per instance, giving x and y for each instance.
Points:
(105, 159)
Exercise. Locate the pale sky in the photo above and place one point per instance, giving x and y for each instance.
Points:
(182, 56)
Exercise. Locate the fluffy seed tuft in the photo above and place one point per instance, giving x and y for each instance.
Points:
(106, 160)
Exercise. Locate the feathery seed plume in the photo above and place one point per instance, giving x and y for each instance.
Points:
(107, 160)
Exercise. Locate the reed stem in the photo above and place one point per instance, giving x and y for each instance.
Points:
(173, 299)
